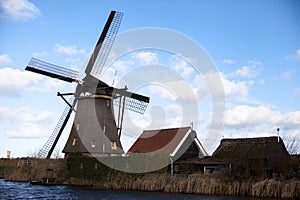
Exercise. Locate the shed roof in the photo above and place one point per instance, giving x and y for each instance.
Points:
(155, 140)
(250, 148)
(167, 140)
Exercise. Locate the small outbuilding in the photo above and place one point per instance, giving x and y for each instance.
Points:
(263, 156)
(179, 143)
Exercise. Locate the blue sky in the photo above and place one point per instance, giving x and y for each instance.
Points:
(254, 44)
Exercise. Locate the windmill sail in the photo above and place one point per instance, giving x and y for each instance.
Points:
(107, 44)
(104, 44)
(54, 71)
(49, 146)
(124, 92)
(133, 102)
(133, 105)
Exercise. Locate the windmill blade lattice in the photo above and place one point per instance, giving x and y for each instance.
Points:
(45, 151)
(107, 44)
(54, 71)
(133, 105)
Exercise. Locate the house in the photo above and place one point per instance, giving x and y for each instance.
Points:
(179, 143)
(263, 156)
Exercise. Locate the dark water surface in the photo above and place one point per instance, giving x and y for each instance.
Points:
(13, 190)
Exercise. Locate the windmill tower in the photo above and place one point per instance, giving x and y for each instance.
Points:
(94, 130)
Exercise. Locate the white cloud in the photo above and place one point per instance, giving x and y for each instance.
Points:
(243, 72)
(236, 88)
(182, 66)
(173, 116)
(160, 117)
(13, 81)
(122, 65)
(23, 122)
(291, 120)
(109, 76)
(294, 57)
(252, 117)
(247, 116)
(240, 88)
(69, 50)
(3, 111)
(228, 61)
(161, 91)
(52, 85)
(180, 91)
(146, 57)
(286, 75)
(21, 10)
(254, 63)
(261, 121)
(4, 59)
(199, 87)
(40, 54)
(249, 71)
(231, 88)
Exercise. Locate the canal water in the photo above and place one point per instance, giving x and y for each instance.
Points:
(14, 190)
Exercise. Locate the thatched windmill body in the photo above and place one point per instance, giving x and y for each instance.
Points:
(94, 130)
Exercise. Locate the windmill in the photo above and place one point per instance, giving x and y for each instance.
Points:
(94, 130)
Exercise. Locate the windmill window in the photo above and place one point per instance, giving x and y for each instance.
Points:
(107, 103)
(74, 141)
(93, 144)
(77, 127)
(114, 145)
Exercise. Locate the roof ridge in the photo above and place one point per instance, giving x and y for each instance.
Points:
(251, 138)
(168, 129)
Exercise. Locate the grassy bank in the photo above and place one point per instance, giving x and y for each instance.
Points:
(83, 171)
(22, 170)
(196, 184)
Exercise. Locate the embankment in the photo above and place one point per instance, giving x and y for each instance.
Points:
(22, 170)
(196, 184)
(89, 172)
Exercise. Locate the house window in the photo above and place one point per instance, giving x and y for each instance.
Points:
(93, 144)
(96, 166)
(176, 168)
(81, 165)
(114, 145)
(74, 141)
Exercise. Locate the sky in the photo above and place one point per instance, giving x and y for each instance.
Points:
(255, 46)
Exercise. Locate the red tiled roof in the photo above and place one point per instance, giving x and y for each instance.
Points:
(159, 140)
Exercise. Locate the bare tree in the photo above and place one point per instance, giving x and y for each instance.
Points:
(34, 153)
(291, 144)
(56, 153)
